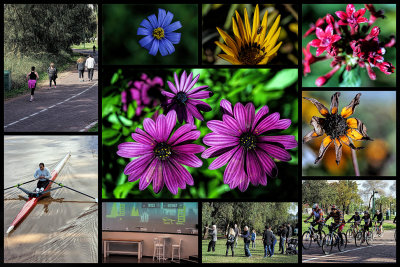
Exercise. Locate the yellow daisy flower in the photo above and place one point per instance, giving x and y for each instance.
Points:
(252, 46)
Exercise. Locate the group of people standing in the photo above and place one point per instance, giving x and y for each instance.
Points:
(268, 237)
(32, 77)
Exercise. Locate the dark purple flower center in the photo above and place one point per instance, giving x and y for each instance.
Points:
(181, 98)
(335, 125)
(248, 141)
(162, 151)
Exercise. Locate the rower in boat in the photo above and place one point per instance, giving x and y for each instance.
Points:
(43, 174)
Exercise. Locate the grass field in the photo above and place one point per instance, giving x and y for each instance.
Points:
(257, 254)
(85, 46)
(387, 224)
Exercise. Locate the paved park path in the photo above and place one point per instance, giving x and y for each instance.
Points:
(71, 107)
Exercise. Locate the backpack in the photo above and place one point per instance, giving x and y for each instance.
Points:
(231, 239)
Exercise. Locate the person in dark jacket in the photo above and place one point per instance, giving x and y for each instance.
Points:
(52, 72)
(230, 242)
(289, 233)
(32, 78)
(80, 65)
(282, 241)
(267, 241)
(273, 242)
(246, 236)
(213, 234)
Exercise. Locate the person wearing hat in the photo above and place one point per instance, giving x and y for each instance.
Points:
(338, 220)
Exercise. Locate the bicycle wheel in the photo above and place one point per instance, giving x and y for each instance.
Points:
(358, 238)
(349, 235)
(327, 244)
(321, 238)
(369, 237)
(342, 245)
(306, 240)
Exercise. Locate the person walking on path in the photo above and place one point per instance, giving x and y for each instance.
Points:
(246, 236)
(213, 240)
(32, 78)
(90, 67)
(94, 49)
(80, 65)
(52, 72)
(230, 242)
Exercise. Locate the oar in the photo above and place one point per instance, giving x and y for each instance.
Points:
(60, 184)
(17, 185)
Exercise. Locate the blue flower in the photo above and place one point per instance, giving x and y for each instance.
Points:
(159, 33)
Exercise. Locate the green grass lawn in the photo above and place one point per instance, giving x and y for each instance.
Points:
(387, 224)
(85, 46)
(257, 254)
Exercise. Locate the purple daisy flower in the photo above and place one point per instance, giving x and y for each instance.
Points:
(239, 141)
(159, 33)
(159, 154)
(185, 100)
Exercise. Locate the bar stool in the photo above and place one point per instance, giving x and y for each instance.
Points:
(159, 249)
(177, 247)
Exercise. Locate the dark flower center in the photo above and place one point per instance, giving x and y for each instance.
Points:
(181, 98)
(251, 55)
(158, 33)
(248, 141)
(162, 151)
(335, 125)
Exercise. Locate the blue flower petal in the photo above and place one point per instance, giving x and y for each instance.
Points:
(168, 45)
(163, 48)
(154, 47)
(153, 21)
(173, 27)
(161, 16)
(173, 37)
(148, 46)
(146, 40)
(143, 31)
(145, 23)
(167, 20)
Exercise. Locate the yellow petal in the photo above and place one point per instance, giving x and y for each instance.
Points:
(269, 45)
(226, 49)
(241, 27)
(352, 123)
(327, 140)
(273, 51)
(256, 22)
(264, 28)
(354, 134)
(264, 61)
(247, 24)
(345, 140)
(273, 28)
(230, 59)
(236, 33)
(228, 40)
(346, 112)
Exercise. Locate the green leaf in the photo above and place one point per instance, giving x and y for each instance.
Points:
(114, 78)
(110, 136)
(125, 121)
(282, 79)
(123, 190)
(351, 78)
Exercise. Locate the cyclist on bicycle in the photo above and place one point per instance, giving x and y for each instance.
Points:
(357, 220)
(339, 221)
(367, 220)
(318, 217)
(379, 217)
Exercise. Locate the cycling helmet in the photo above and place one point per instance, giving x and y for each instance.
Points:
(366, 212)
(356, 212)
(333, 207)
(315, 206)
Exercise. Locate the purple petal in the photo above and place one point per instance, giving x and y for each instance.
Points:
(232, 169)
(142, 139)
(254, 168)
(132, 150)
(147, 176)
(231, 123)
(200, 105)
(220, 127)
(189, 116)
(222, 160)
(170, 123)
(170, 177)
(150, 127)
(263, 179)
(178, 88)
(180, 131)
(183, 80)
(282, 124)
(137, 166)
(190, 160)
(183, 174)
(275, 152)
(187, 82)
(167, 94)
(189, 148)
(260, 116)
(216, 151)
(158, 181)
(161, 128)
(192, 83)
(193, 110)
(240, 115)
(288, 141)
(267, 123)
(202, 95)
(243, 181)
(226, 107)
(140, 131)
(250, 114)
(215, 139)
(267, 163)
(197, 89)
(172, 87)
(190, 136)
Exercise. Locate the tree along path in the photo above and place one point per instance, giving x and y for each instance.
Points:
(382, 250)
(71, 107)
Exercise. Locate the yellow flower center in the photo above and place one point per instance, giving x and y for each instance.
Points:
(251, 55)
(158, 33)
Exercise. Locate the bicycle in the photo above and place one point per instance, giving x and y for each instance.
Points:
(377, 231)
(361, 237)
(332, 240)
(352, 232)
(312, 235)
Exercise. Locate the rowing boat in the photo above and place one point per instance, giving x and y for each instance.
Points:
(32, 201)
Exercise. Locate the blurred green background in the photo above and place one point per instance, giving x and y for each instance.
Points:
(277, 89)
(311, 13)
(121, 43)
(219, 15)
(377, 110)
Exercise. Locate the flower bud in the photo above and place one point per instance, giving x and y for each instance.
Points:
(373, 34)
(371, 73)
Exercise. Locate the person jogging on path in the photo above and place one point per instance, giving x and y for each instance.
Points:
(80, 66)
(32, 78)
(90, 67)
(52, 72)
(94, 49)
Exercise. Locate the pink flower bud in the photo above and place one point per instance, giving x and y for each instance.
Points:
(321, 81)
(324, 79)
(373, 34)
(371, 73)
(329, 19)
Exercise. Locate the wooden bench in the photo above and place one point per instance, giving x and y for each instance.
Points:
(107, 251)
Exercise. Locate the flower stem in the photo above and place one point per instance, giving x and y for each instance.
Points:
(355, 163)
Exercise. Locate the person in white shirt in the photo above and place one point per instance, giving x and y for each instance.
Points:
(90, 67)
(43, 174)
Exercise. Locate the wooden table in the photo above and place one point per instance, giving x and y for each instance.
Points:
(107, 241)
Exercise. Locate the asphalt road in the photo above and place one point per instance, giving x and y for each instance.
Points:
(382, 250)
(71, 107)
